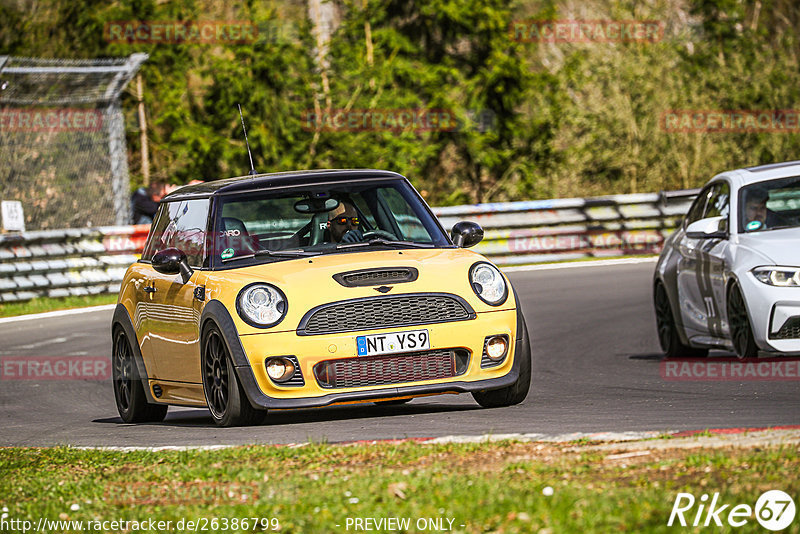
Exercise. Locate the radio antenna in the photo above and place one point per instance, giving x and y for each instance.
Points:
(252, 168)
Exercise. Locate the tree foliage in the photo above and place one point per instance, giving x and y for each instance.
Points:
(532, 120)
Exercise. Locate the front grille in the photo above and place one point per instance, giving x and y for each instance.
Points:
(391, 369)
(789, 330)
(384, 312)
(376, 277)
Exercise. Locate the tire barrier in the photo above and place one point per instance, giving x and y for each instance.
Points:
(58, 263)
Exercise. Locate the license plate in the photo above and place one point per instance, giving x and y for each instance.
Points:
(411, 340)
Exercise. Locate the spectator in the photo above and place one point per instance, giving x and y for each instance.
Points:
(144, 202)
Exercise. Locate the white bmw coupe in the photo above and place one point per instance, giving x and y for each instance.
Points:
(729, 277)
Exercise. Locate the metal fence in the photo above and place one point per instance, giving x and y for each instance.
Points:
(88, 261)
(62, 139)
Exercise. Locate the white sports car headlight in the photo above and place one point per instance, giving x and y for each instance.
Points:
(778, 276)
(488, 283)
(261, 305)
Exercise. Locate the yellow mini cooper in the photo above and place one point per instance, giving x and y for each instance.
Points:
(306, 289)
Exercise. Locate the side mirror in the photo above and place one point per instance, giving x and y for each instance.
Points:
(172, 261)
(466, 234)
(710, 228)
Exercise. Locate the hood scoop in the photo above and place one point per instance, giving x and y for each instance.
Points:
(377, 277)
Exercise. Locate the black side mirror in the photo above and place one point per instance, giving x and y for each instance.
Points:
(172, 261)
(466, 234)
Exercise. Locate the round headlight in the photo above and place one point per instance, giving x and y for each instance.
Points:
(488, 283)
(261, 305)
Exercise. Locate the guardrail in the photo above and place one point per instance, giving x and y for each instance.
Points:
(564, 229)
(58, 263)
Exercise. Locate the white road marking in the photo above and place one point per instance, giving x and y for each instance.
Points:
(579, 264)
(57, 313)
(41, 343)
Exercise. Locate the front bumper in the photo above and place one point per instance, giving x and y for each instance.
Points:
(771, 308)
(311, 350)
(250, 351)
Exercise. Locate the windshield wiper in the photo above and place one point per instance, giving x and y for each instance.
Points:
(382, 241)
(292, 253)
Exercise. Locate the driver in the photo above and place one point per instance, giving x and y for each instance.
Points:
(756, 214)
(755, 208)
(343, 224)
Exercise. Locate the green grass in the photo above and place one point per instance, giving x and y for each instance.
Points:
(45, 304)
(496, 487)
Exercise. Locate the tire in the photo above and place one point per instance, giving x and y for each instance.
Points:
(516, 392)
(393, 402)
(744, 343)
(129, 393)
(668, 336)
(224, 395)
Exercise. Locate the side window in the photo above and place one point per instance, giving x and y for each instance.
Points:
(182, 225)
(156, 231)
(719, 202)
(699, 207)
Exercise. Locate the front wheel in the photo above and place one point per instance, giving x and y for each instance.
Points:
(668, 336)
(225, 397)
(516, 392)
(129, 393)
(744, 343)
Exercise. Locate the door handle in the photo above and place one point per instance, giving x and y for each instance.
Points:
(149, 289)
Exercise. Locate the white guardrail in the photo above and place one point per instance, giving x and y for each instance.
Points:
(59, 263)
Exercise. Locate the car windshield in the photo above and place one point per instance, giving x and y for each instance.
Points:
(332, 218)
(770, 205)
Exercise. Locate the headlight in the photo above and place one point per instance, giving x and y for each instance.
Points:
(488, 283)
(261, 305)
(778, 276)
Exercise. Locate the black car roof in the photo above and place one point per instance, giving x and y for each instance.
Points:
(276, 179)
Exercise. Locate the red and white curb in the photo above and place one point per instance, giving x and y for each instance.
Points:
(713, 437)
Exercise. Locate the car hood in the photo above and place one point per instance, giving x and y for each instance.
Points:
(779, 246)
(309, 282)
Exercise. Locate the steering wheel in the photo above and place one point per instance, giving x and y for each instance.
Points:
(379, 233)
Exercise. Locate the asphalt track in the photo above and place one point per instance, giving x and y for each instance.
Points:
(596, 368)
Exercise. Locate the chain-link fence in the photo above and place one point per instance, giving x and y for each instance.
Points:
(62, 140)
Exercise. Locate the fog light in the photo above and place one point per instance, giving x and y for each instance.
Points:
(280, 369)
(496, 347)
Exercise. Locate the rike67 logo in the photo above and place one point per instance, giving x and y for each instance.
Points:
(774, 510)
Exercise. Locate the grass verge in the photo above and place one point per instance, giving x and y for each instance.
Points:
(45, 304)
(487, 487)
